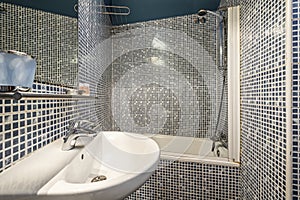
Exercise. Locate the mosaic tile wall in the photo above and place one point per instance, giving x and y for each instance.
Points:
(30, 124)
(51, 38)
(190, 180)
(95, 55)
(224, 4)
(296, 99)
(263, 112)
(173, 180)
(165, 78)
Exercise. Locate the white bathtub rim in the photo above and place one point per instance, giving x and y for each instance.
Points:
(206, 158)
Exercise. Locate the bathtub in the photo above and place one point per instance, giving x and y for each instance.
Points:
(191, 149)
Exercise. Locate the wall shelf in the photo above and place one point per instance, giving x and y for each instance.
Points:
(30, 95)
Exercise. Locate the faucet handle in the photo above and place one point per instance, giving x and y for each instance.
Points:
(80, 123)
(73, 124)
(91, 123)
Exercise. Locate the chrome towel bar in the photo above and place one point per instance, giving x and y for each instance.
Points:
(120, 10)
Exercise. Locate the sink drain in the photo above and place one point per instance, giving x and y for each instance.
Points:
(98, 178)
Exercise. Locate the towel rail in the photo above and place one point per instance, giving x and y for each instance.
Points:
(122, 10)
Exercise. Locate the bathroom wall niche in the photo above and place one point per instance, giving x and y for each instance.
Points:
(51, 38)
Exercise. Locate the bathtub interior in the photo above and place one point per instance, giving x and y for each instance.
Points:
(198, 148)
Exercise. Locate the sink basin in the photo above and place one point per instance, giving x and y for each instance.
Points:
(110, 167)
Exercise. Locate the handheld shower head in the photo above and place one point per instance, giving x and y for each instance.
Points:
(203, 12)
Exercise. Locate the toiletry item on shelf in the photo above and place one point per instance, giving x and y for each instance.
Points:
(72, 92)
(84, 89)
(17, 71)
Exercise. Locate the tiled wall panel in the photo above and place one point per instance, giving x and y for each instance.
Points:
(296, 98)
(166, 78)
(27, 125)
(263, 112)
(30, 124)
(95, 55)
(50, 38)
(190, 180)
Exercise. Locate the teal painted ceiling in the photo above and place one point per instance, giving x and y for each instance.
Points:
(62, 7)
(141, 10)
(144, 10)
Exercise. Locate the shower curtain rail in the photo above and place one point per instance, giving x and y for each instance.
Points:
(123, 10)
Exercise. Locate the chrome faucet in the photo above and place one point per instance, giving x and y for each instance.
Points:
(75, 131)
(221, 137)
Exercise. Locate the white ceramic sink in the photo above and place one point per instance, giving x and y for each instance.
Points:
(126, 160)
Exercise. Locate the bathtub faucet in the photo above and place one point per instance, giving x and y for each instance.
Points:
(221, 137)
(76, 130)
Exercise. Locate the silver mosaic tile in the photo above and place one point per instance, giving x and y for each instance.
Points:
(170, 72)
(52, 39)
(30, 124)
(95, 50)
(224, 4)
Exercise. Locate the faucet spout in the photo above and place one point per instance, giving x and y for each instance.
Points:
(70, 141)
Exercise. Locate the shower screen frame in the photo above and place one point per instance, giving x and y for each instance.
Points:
(233, 62)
